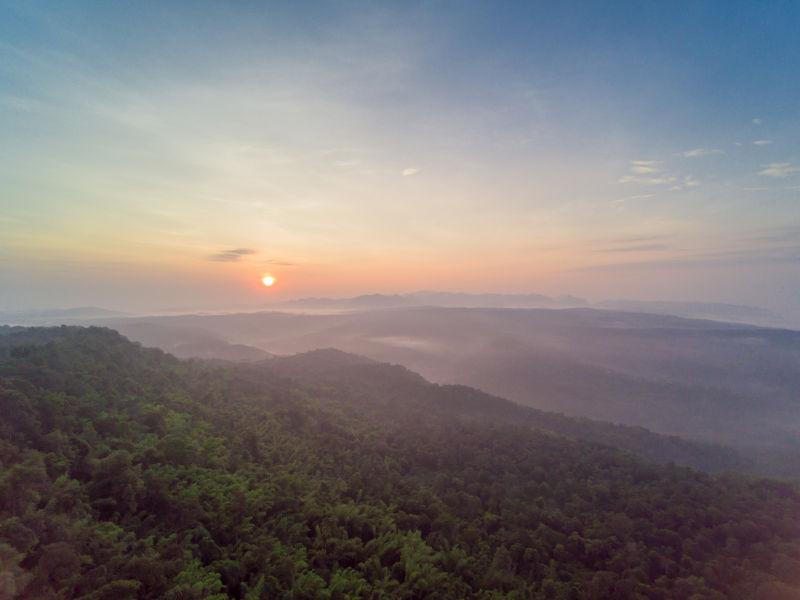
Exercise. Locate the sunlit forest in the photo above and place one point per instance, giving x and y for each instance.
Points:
(127, 473)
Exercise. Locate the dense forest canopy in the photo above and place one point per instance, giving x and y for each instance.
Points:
(127, 473)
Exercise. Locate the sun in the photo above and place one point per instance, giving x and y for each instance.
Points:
(268, 280)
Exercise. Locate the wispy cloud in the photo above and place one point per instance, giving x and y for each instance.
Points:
(345, 164)
(636, 239)
(783, 169)
(658, 180)
(281, 263)
(407, 172)
(782, 234)
(646, 166)
(688, 182)
(646, 180)
(762, 142)
(231, 255)
(757, 121)
(647, 172)
(631, 244)
(701, 152)
(629, 198)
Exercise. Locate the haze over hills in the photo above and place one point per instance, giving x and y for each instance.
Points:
(56, 315)
(720, 382)
(735, 313)
(432, 298)
(361, 377)
(191, 342)
(709, 381)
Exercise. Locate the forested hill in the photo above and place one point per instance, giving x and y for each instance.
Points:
(355, 378)
(129, 474)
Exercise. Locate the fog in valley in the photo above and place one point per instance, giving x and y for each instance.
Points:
(731, 384)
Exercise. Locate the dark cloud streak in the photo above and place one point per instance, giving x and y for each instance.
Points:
(231, 255)
(638, 248)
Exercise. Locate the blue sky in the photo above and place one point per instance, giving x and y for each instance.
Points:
(646, 150)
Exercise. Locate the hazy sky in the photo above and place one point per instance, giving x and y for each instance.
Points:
(157, 154)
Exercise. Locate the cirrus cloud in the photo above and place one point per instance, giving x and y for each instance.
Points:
(783, 169)
(646, 166)
(647, 172)
(701, 152)
(688, 182)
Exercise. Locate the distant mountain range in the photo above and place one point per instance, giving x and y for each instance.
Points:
(430, 298)
(735, 313)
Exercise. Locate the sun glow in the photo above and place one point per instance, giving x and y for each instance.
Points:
(268, 280)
